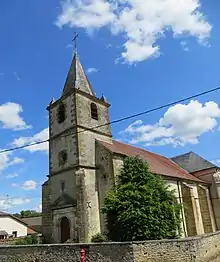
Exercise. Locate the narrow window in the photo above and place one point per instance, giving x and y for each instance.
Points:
(62, 185)
(61, 113)
(14, 233)
(94, 111)
(62, 157)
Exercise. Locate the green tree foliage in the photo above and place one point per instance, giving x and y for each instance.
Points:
(28, 240)
(141, 207)
(99, 238)
(28, 213)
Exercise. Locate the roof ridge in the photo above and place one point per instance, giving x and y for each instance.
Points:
(184, 154)
(193, 162)
(153, 153)
(163, 160)
(205, 159)
(139, 148)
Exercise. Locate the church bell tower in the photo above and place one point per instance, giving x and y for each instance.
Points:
(69, 198)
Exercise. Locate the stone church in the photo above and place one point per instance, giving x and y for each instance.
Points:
(84, 162)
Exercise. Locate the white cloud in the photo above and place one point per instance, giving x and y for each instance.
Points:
(180, 125)
(7, 203)
(13, 175)
(16, 76)
(15, 185)
(94, 15)
(184, 46)
(69, 46)
(108, 46)
(92, 70)
(6, 160)
(16, 160)
(141, 23)
(41, 136)
(38, 208)
(10, 116)
(29, 185)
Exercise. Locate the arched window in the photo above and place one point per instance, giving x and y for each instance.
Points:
(61, 113)
(94, 111)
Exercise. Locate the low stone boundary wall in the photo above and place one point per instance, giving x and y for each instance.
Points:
(205, 248)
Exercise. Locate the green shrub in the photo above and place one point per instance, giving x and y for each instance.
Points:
(99, 238)
(69, 241)
(28, 240)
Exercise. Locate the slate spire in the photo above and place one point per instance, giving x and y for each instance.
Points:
(77, 78)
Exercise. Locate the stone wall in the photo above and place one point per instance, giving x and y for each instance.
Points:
(211, 176)
(104, 178)
(204, 206)
(175, 186)
(205, 248)
(188, 209)
(67, 253)
(46, 212)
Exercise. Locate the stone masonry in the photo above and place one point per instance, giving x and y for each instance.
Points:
(188, 208)
(205, 248)
(206, 216)
(71, 190)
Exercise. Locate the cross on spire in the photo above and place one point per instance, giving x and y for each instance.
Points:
(75, 41)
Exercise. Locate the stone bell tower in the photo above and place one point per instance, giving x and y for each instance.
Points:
(70, 199)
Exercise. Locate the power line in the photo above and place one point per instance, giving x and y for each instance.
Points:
(120, 119)
(21, 147)
(23, 198)
(166, 105)
(151, 110)
(7, 201)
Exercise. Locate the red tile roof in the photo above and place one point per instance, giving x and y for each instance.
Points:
(157, 164)
(31, 231)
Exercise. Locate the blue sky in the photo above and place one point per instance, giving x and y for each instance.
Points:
(140, 54)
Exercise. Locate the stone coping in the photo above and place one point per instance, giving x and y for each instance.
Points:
(117, 243)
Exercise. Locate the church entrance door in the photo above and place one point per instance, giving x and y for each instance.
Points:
(65, 229)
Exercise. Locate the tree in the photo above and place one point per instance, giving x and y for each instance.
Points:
(28, 240)
(141, 206)
(27, 213)
(99, 238)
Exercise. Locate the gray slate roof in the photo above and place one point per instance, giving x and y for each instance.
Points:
(32, 221)
(192, 162)
(77, 78)
(3, 233)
